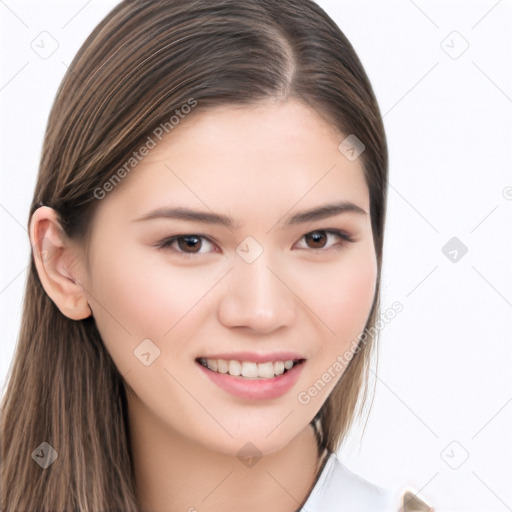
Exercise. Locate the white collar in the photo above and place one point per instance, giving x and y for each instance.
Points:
(340, 490)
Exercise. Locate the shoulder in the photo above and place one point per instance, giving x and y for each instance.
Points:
(338, 489)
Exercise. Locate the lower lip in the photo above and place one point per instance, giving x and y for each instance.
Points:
(255, 389)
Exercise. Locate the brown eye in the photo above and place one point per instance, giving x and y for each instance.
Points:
(325, 240)
(317, 238)
(189, 243)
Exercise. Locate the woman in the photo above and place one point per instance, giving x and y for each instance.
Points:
(207, 232)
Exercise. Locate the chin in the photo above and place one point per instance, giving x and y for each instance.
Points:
(254, 441)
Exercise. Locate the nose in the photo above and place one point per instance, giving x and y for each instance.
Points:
(257, 297)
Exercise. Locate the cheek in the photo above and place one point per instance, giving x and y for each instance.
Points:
(140, 296)
(342, 300)
(131, 302)
(341, 294)
(353, 297)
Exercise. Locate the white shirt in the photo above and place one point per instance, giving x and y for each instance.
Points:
(340, 490)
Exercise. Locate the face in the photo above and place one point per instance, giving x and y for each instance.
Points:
(271, 285)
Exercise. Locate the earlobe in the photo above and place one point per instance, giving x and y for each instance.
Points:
(57, 261)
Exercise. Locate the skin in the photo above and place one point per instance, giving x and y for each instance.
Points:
(259, 165)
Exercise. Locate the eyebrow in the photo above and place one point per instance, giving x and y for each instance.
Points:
(318, 213)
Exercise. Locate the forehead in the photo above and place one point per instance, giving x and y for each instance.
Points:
(245, 161)
(267, 130)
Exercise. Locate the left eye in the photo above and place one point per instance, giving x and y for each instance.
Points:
(320, 237)
(189, 245)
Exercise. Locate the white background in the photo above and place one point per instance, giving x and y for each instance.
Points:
(443, 390)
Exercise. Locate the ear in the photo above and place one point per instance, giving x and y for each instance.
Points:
(59, 263)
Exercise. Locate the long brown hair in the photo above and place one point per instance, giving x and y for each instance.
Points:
(145, 60)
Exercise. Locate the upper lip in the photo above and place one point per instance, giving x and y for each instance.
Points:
(254, 357)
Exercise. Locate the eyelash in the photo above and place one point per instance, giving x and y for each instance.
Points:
(166, 243)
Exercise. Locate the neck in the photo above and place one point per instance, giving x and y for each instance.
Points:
(173, 473)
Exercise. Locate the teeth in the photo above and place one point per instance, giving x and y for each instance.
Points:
(279, 368)
(235, 368)
(266, 370)
(222, 366)
(248, 369)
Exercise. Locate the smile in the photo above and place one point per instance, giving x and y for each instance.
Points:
(249, 369)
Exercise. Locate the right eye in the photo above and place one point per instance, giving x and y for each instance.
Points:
(186, 245)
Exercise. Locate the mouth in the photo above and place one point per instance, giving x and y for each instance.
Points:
(249, 370)
(255, 379)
